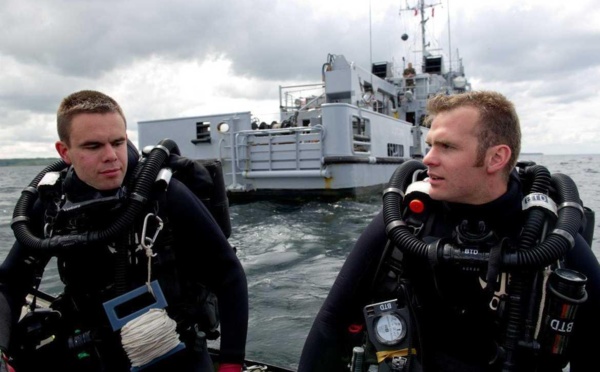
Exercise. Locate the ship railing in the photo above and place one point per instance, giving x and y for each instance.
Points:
(294, 97)
(421, 87)
(289, 152)
(408, 83)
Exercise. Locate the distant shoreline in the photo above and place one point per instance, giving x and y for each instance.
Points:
(48, 161)
(27, 161)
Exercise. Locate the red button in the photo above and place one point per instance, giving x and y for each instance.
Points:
(416, 206)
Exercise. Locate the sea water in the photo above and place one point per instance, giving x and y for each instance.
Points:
(292, 252)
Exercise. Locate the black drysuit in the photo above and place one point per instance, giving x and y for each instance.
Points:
(458, 332)
(197, 254)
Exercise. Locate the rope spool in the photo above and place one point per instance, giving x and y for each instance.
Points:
(149, 336)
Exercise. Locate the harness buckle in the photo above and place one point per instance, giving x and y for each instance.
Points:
(398, 363)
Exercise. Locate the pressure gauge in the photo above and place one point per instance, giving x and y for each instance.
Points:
(388, 325)
(390, 329)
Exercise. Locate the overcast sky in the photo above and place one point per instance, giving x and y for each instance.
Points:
(164, 59)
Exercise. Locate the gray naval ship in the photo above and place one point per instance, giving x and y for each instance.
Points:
(340, 137)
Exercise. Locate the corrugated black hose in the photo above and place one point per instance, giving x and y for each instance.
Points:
(136, 201)
(529, 256)
(557, 243)
(517, 319)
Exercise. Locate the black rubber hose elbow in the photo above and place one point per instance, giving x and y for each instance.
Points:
(393, 195)
(141, 190)
(20, 220)
(562, 238)
(534, 221)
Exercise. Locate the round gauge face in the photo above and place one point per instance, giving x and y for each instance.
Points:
(390, 329)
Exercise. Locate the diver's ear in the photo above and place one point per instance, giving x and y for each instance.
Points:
(497, 158)
(63, 151)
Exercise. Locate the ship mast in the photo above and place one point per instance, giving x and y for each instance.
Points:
(420, 7)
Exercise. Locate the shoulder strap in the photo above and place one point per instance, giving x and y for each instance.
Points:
(389, 270)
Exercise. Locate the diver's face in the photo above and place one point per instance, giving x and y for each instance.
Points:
(453, 171)
(97, 149)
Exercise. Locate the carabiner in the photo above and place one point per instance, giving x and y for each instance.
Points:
(146, 241)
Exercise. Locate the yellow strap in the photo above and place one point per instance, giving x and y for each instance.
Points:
(383, 355)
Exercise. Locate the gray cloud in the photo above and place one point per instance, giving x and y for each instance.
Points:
(53, 47)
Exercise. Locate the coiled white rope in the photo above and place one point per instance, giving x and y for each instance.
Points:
(152, 334)
(149, 336)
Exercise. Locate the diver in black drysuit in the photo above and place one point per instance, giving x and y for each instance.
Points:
(199, 251)
(461, 336)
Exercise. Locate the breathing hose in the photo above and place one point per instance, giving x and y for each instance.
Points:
(534, 221)
(138, 197)
(395, 228)
(531, 233)
(556, 244)
(528, 256)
